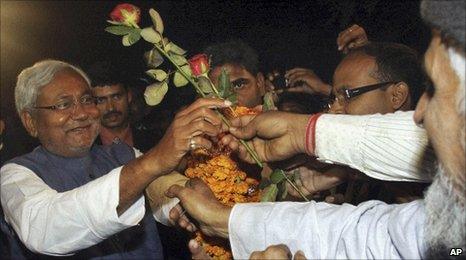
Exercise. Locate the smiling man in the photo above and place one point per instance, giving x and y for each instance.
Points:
(70, 196)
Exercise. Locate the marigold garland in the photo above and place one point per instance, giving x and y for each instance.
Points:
(229, 184)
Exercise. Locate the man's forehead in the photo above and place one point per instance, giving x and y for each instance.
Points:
(354, 71)
(108, 89)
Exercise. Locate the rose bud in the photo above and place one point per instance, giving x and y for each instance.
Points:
(199, 64)
(127, 14)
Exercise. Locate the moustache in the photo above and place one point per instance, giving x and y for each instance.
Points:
(112, 113)
(86, 123)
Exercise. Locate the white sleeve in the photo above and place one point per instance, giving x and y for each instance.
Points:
(162, 213)
(388, 147)
(60, 223)
(327, 231)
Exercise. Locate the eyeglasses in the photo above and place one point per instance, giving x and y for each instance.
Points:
(68, 105)
(345, 95)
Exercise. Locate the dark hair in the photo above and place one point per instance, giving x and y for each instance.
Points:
(234, 52)
(301, 103)
(397, 62)
(105, 73)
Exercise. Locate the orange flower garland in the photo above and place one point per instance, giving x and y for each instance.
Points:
(229, 184)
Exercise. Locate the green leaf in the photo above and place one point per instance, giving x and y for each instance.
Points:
(158, 75)
(277, 176)
(132, 37)
(224, 85)
(233, 98)
(173, 48)
(268, 102)
(282, 191)
(150, 35)
(155, 93)
(264, 183)
(156, 20)
(204, 84)
(178, 59)
(153, 58)
(118, 30)
(179, 80)
(269, 193)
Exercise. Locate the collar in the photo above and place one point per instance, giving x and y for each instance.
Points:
(108, 137)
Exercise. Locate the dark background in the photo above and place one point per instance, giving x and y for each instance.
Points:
(286, 34)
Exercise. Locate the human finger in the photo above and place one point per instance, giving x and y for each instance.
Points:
(205, 102)
(201, 113)
(197, 251)
(299, 255)
(341, 36)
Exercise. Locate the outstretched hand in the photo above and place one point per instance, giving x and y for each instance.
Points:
(274, 135)
(200, 203)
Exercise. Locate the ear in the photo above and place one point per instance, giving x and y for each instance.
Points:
(130, 95)
(399, 96)
(260, 82)
(29, 123)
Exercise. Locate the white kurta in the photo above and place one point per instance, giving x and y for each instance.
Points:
(54, 223)
(373, 229)
(388, 147)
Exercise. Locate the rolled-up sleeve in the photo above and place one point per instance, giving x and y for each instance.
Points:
(388, 147)
(60, 223)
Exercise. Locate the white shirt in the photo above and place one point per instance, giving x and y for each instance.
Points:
(54, 223)
(388, 147)
(327, 231)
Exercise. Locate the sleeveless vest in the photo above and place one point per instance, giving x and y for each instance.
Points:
(62, 174)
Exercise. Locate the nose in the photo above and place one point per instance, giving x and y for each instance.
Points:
(109, 106)
(336, 108)
(79, 112)
(421, 109)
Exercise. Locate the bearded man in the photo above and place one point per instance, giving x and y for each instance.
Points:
(424, 228)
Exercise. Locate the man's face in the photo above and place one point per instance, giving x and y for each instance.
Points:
(442, 114)
(113, 103)
(249, 88)
(70, 132)
(355, 71)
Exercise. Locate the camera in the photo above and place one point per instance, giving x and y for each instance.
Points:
(280, 82)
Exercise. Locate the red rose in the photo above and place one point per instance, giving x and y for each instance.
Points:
(199, 64)
(126, 13)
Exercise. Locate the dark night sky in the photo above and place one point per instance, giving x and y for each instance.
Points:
(285, 33)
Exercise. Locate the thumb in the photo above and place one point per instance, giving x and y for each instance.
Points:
(246, 132)
(299, 255)
(174, 191)
(196, 250)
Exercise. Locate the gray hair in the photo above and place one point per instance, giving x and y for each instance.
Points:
(31, 80)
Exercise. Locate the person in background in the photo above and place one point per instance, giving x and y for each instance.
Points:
(110, 87)
(242, 64)
(428, 228)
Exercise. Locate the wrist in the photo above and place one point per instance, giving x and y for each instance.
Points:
(298, 129)
(309, 136)
(221, 228)
(150, 163)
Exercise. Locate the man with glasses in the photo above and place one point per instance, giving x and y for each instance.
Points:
(70, 197)
(378, 77)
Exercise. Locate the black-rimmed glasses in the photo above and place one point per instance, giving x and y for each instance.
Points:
(344, 95)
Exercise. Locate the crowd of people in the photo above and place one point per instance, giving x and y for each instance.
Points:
(379, 151)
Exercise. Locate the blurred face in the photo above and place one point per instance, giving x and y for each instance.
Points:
(70, 132)
(353, 72)
(113, 104)
(249, 88)
(441, 111)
